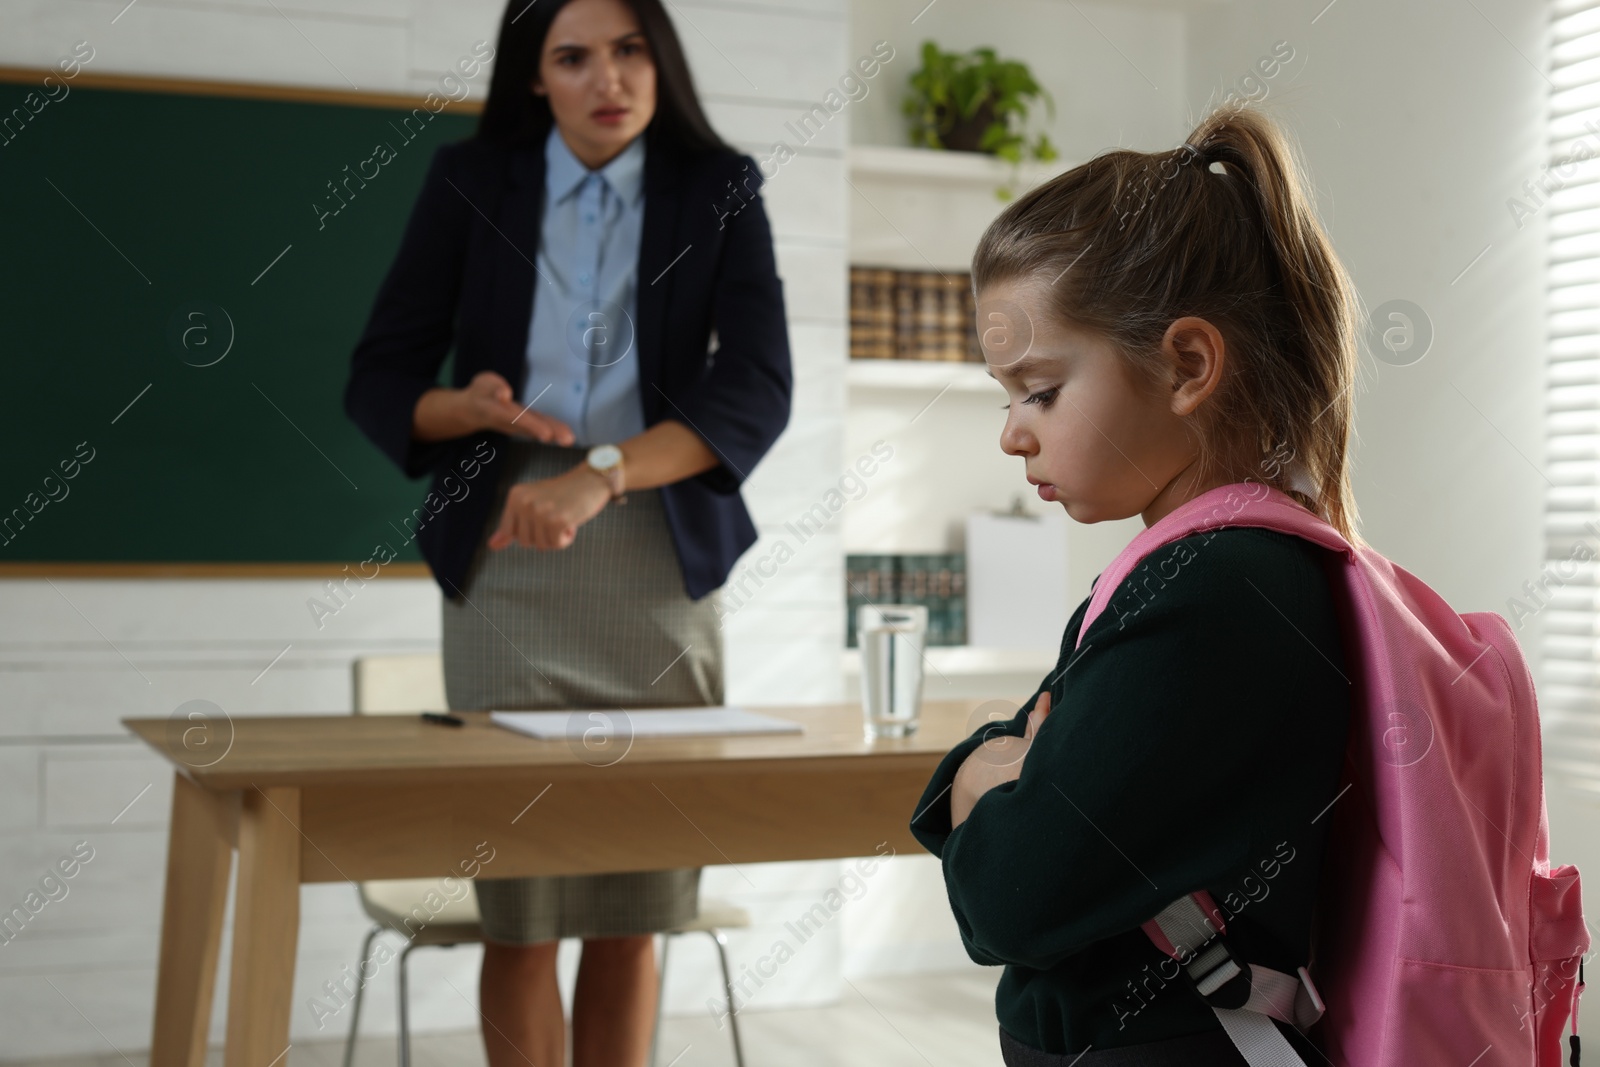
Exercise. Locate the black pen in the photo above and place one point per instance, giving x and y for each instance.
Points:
(442, 720)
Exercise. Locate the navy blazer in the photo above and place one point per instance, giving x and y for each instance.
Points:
(464, 275)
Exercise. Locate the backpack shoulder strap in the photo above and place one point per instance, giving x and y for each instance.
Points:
(1237, 504)
(1245, 997)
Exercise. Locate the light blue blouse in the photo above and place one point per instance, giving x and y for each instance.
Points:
(583, 353)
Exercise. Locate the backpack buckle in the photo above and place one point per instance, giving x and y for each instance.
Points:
(1221, 978)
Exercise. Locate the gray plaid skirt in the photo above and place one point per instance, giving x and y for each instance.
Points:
(603, 623)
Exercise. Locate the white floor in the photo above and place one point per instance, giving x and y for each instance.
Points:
(919, 1021)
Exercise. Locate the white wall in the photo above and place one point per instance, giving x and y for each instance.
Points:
(77, 656)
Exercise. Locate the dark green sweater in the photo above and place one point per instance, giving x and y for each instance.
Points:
(1195, 740)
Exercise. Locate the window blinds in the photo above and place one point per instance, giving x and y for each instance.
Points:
(1567, 592)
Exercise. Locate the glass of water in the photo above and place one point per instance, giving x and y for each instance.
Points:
(891, 639)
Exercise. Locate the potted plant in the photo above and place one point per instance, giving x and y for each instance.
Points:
(976, 102)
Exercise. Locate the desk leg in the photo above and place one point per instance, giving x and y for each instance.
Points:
(199, 853)
(266, 926)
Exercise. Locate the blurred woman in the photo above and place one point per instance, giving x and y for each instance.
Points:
(603, 267)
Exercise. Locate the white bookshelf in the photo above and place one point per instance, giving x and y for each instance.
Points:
(924, 209)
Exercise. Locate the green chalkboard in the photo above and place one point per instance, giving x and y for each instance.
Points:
(178, 311)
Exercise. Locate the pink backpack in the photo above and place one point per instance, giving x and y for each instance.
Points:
(1443, 936)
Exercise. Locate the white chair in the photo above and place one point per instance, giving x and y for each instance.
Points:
(409, 685)
(715, 916)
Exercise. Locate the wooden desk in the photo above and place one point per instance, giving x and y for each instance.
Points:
(349, 798)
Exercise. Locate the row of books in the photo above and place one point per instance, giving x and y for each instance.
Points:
(936, 580)
(912, 314)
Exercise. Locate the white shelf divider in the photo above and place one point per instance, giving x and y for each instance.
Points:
(924, 209)
(969, 659)
(976, 169)
(921, 374)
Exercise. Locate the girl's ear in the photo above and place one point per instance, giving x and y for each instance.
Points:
(1195, 354)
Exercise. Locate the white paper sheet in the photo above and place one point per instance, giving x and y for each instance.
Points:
(643, 722)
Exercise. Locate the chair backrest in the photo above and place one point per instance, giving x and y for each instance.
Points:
(398, 685)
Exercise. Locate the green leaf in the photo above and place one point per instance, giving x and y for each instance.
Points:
(951, 87)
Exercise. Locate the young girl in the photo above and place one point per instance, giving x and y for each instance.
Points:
(1163, 324)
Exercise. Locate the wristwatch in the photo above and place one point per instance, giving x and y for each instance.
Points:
(606, 461)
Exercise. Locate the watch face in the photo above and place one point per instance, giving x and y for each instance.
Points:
(603, 456)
